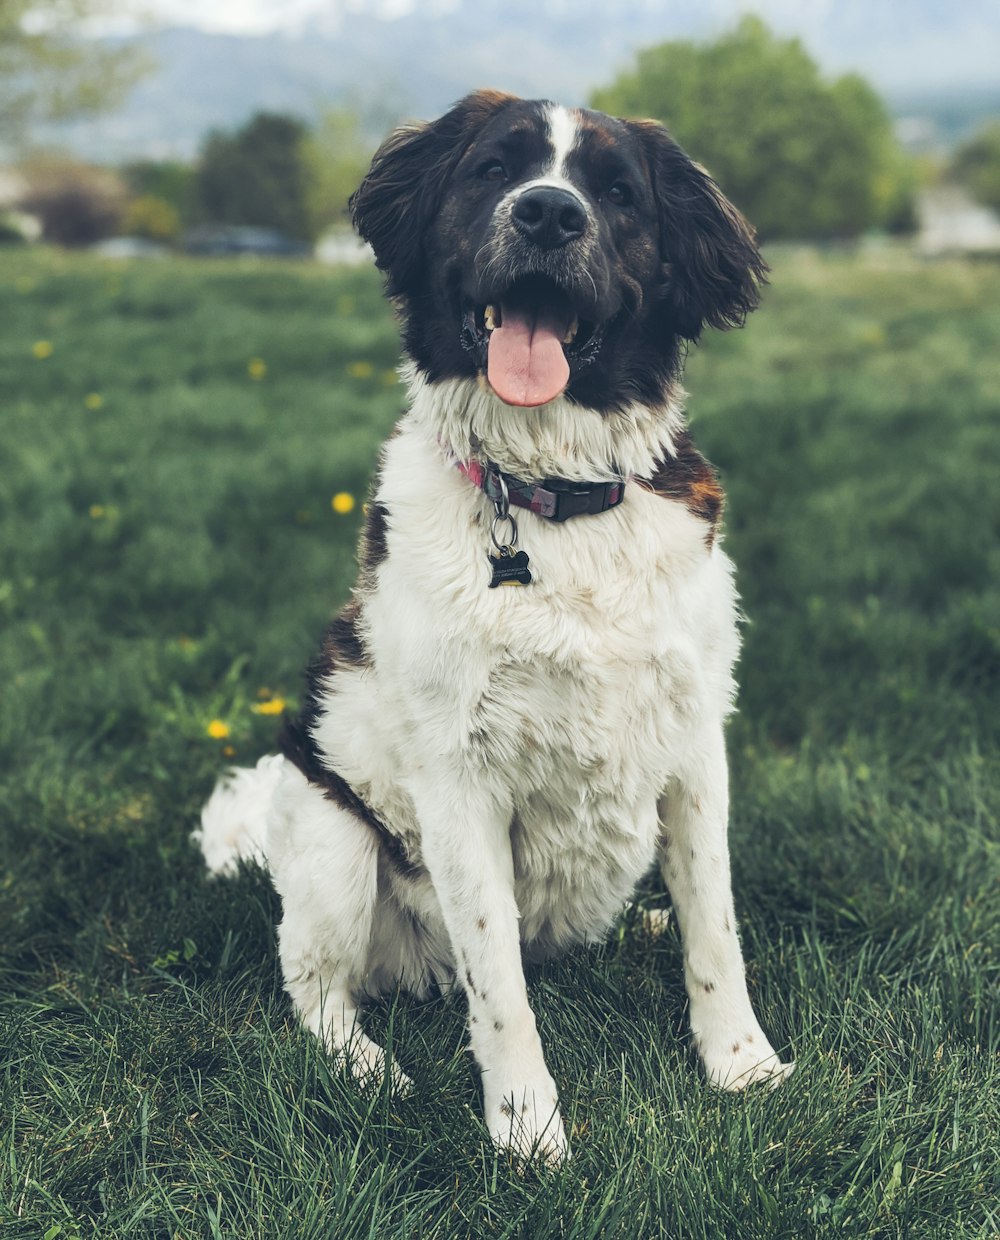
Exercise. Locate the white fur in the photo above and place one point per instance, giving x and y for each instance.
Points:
(564, 134)
(536, 750)
(234, 819)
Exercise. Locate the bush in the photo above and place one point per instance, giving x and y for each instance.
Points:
(152, 218)
(76, 203)
(169, 180)
(977, 165)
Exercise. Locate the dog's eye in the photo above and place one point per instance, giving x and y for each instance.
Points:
(619, 194)
(493, 171)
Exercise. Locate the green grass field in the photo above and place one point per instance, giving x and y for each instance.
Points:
(172, 437)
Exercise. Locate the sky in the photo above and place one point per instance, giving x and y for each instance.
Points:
(266, 16)
(896, 43)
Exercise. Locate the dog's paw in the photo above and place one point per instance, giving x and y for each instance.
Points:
(735, 1062)
(365, 1060)
(524, 1121)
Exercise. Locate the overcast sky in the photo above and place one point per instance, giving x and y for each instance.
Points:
(897, 43)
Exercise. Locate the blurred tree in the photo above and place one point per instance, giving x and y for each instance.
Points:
(977, 165)
(76, 203)
(50, 70)
(337, 155)
(168, 180)
(800, 157)
(257, 175)
(150, 217)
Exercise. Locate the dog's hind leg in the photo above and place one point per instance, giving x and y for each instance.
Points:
(694, 859)
(324, 862)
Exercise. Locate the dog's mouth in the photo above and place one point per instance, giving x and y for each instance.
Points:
(529, 340)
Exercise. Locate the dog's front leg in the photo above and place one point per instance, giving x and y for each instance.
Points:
(694, 859)
(467, 851)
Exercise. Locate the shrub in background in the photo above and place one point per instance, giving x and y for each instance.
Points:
(75, 203)
(150, 217)
(977, 165)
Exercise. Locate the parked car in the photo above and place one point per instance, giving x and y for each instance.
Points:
(129, 247)
(235, 239)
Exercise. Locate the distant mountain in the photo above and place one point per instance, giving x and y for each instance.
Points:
(416, 64)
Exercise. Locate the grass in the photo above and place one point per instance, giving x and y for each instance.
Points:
(168, 555)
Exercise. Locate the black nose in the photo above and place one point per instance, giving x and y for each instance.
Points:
(550, 217)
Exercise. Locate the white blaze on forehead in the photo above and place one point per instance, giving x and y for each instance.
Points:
(564, 133)
(564, 136)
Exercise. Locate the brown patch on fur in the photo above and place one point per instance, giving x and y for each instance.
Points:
(481, 923)
(736, 1048)
(688, 477)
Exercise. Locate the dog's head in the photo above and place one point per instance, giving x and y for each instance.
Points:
(553, 250)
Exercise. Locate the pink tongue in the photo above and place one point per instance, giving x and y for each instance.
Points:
(526, 364)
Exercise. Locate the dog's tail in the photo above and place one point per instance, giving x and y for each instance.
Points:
(234, 819)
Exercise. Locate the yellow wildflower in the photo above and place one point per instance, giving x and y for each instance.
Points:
(256, 368)
(343, 502)
(218, 730)
(97, 511)
(42, 349)
(93, 400)
(274, 707)
(361, 370)
(228, 751)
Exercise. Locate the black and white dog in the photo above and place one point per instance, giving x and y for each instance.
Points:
(521, 708)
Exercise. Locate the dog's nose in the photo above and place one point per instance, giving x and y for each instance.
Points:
(549, 216)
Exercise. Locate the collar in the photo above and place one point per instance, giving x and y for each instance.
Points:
(556, 499)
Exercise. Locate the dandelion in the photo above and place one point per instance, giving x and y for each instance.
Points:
(256, 368)
(42, 349)
(218, 730)
(228, 751)
(361, 370)
(93, 400)
(343, 502)
(97, 512)
(274, 707)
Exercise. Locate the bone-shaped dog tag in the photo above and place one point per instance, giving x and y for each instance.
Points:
(510, 568)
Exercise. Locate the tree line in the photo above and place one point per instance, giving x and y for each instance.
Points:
(804, 157)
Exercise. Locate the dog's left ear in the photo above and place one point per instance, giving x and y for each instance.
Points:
(712, 268)
(402, 190)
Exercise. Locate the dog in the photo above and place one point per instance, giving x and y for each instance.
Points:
(520, 711)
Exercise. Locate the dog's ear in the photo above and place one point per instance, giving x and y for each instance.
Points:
(712, 268)
(401, 193)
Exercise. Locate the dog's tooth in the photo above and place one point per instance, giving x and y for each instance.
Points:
(574, 327)
(490, 318)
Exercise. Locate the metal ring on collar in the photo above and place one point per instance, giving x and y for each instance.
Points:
(497, 520)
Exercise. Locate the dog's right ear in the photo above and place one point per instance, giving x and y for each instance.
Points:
(401, 193)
